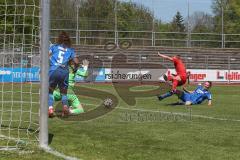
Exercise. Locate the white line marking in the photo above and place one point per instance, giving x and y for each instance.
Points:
(10, 148)
(7, 148)
(89, 104)
(182, 114)
(58, 154)
(19, 102)
(18, 140)
(46, 149)
(176, 113)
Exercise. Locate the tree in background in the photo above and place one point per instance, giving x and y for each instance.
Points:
(201, 22)
(177, 27)
(132, 16)
(63, 14)
(12, 21)
(231, 19)
(219, 7)
(101, 15)
(178, 23)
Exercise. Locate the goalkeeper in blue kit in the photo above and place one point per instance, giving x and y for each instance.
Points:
(60, 54)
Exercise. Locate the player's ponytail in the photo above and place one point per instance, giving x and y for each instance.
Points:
(64, 39)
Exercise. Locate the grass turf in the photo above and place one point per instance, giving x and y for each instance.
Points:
(143, 132)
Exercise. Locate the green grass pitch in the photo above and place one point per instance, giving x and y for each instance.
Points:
(149, 130)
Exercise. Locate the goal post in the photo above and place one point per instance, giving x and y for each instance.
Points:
(44, 81)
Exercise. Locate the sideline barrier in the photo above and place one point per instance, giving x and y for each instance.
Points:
(19, 75)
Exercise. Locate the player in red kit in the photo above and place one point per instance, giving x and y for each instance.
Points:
(181, 77)
(181, 74)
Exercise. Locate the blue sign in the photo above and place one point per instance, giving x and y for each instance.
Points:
(20, 74)
(33, 75)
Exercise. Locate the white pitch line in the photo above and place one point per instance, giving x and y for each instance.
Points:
(46, 149)
(89, 104)
(58, 154)
(19, 102)
(175, 113)
(182, 114)
(12, 138)
(10, 148)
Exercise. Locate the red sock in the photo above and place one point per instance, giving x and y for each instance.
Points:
(170, 78)
(174, 84)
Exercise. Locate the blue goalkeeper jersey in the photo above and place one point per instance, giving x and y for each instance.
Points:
(60, 56)
(199, 95)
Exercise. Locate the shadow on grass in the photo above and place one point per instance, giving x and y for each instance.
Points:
(50, 138)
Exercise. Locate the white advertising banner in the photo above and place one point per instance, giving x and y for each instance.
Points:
(196, 75)
(133, 74)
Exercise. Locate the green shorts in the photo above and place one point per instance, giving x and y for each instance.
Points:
(72, 99)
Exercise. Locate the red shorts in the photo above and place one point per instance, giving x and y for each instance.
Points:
(180, 83)
(183, 80)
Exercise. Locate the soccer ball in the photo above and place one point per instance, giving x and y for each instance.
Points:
(108, 102)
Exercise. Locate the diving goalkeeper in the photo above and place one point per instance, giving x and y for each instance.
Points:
(74, 103)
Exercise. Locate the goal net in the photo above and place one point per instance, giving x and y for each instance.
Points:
(19, 73)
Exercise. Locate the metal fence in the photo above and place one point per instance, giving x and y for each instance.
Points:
(223, 62)
(102, 58)
(150, 38)
(95, 30)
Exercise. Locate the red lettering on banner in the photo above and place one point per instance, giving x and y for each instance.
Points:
(214, 75)
(197, 77)
(219, 76)
(232, 76)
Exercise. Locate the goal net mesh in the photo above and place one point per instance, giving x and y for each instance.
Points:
(19, 72)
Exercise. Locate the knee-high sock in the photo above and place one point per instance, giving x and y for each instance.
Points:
(168, 94)
(174, 84)
(64, 100)
(170, 78)
(50, 100)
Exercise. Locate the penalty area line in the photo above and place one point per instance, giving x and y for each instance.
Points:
(179, 113)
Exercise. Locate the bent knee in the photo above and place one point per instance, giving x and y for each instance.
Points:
(178, 78)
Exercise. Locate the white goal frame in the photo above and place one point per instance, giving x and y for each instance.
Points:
(44, 45)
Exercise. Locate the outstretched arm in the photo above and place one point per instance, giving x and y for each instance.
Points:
(83, 72)
(209, 97)
(164, 56)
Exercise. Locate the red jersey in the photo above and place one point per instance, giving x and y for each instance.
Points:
(180, 67)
